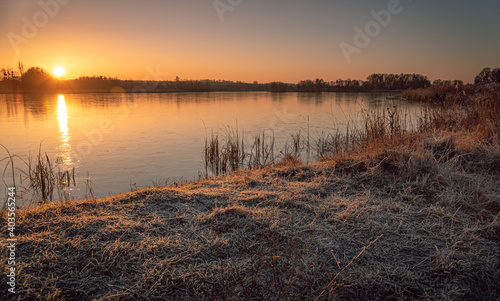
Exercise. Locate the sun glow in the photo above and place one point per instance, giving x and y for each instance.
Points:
(59, 71)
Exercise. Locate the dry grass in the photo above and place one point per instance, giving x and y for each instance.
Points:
(290, 231)
(397, 213)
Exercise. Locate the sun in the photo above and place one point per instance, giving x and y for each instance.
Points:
(59, 71)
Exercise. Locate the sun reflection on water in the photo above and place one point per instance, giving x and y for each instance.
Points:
(62, 116)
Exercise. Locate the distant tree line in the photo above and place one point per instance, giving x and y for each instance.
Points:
(381, 82)
(374, 82)
(37, 79)
(178, 85)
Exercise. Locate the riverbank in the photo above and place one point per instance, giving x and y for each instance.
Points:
(393, 223)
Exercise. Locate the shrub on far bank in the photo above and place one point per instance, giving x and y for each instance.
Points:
(448, 92)
(441, 94)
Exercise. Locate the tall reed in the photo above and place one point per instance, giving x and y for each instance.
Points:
(221, 158)
(262, 152)
(43, 178)
(228, 154)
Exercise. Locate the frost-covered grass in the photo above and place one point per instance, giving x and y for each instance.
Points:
(395, 223)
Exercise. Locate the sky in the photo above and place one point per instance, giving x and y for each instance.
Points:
(252, 40)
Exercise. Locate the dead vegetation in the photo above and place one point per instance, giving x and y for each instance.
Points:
(396, 224)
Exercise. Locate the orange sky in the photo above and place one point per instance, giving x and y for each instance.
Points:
(253, 41)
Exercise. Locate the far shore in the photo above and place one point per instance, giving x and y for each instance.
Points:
(183, 91)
